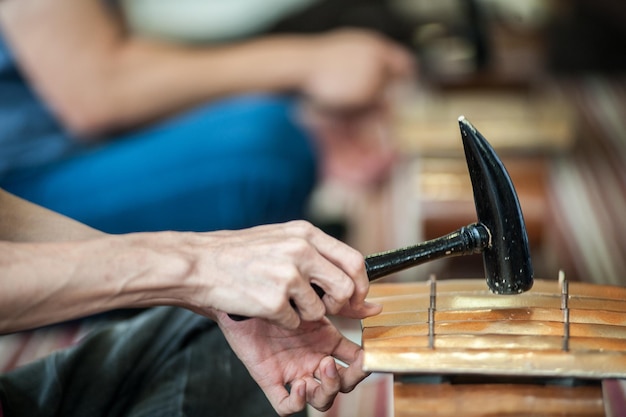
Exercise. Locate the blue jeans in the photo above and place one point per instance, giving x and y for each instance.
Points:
(165, 362)
(229, 165)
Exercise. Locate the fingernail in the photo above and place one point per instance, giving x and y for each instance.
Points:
(331, 371)
(301, 390)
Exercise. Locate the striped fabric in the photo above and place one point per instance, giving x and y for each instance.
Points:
(588, 186)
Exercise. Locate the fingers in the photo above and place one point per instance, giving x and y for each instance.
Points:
(361, 310)
(346, 288)
(287, 317)
(316, 258)
(336, 378)
(351, 354)
(302, 301)
(331, 379)
(319, 392)
(315, 378)
(308, 304)
(287, 402)
(353, 374)
(340, 271)
(295, 256)
(322, 394)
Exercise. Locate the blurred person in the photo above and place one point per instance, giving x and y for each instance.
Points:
(127, 133)
(173, 359)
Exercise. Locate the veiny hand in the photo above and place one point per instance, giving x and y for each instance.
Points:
(301, 359)
(267, 272)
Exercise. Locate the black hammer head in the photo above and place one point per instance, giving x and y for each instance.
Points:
(507, 258)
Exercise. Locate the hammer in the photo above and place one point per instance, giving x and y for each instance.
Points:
(500, 233)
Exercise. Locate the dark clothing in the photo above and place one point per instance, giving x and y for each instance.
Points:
(164, 362)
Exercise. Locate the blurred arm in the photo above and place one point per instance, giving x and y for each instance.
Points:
(98, 77)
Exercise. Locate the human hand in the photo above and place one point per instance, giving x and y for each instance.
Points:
(351, 70)
(347, 85)
(267, 272)
(355, 149)
(302, 359)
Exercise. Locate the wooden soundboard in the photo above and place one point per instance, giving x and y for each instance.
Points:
(558, 329)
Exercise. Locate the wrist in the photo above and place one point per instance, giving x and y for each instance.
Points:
(149, 269)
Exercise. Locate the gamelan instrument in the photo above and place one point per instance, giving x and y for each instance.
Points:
(511, 348)
(455, 348)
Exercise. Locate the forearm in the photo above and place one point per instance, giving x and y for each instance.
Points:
(181, 77)
(44, 283)
(53, 268)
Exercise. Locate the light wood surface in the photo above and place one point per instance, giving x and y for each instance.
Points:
(476, 332)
